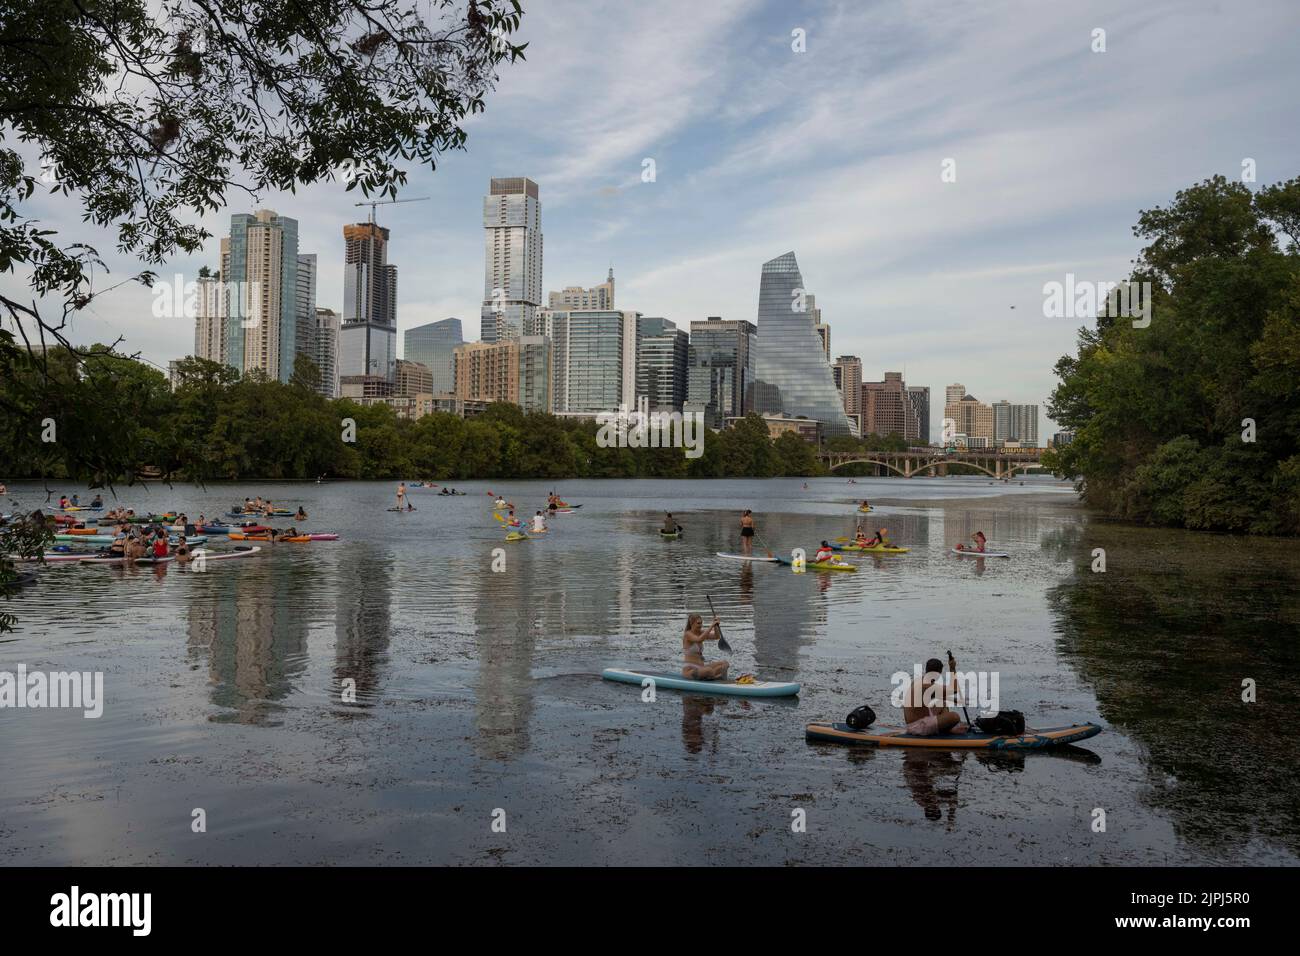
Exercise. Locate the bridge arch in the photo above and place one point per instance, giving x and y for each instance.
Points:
(871, 461)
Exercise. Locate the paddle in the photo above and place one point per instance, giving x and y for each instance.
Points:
(763, 544)
(722, 641)
(952, 669)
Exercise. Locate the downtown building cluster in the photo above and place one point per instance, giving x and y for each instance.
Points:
(573, 353)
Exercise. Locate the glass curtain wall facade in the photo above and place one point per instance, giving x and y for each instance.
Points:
(793, 375)
(594, 356)
(661, 355)
(434, 346)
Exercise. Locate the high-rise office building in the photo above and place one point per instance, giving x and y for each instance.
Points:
(259, 264)
(434, 346)
(847, 372)
(1017, 423)
(793, 370)
(325, 351)
(887, 409)
(920, 397)
(662, 351)
(970, 417)
(512, 286)
(720, 367)
(574, 298)
(305, 306)
(593, 361)
(368, 337)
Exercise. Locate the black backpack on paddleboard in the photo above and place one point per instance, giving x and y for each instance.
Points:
(1007, 723)
(860, 718)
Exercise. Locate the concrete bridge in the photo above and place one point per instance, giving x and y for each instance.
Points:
(994, 462)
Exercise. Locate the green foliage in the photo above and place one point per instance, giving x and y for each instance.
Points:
(1160, 413)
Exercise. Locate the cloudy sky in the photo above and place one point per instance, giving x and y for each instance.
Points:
(835, 153)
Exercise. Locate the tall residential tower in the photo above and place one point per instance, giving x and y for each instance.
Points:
(512, 282)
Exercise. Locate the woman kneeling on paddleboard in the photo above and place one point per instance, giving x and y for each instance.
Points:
(693, 650)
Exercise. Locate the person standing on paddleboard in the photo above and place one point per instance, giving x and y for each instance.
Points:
(693, 638)
(401, 494)
(924, 712)
(747, 532)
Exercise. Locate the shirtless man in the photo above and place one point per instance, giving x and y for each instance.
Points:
(401, 494)
(693, 639)
(923, 721)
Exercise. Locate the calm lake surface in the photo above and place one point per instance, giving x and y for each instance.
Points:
(480, 691)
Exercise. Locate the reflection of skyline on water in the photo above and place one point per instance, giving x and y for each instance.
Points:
(362, 623)
(255, 647)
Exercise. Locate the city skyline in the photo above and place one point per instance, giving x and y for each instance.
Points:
(942, 269)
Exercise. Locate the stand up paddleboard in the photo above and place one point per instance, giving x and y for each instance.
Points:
(678, 682)
(981, 554)
(747, 557)
(892, 737)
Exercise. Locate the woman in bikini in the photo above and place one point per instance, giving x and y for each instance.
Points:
(693, 640)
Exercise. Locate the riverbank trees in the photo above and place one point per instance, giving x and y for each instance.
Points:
(1194, 419)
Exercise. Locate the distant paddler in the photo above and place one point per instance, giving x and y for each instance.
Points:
(539, 524)
(401, 495)
(670, 525)
(747, 532)
(301, 515)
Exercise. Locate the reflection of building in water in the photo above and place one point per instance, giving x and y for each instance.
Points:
(362, 622)
(787, 612)
(507, 623)
(256, 646)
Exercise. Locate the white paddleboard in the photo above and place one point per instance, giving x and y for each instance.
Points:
(746, 557)
(981, 554)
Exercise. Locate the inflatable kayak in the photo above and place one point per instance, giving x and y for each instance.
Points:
(858, 550)
(84, 538)
(323, 536)
(892, 737)
(864, 511)
(762, 688)
(668, 535)
(748, 557)
(84, 531)
(820, 565)
(516, 536)
(981, 554)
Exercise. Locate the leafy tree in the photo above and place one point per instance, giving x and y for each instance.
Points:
(1194, 420)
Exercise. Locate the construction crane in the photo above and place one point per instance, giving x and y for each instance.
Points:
(386, 202)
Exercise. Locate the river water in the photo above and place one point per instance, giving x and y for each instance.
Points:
(479, 698)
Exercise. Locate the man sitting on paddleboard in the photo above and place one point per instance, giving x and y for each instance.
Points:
(539, 523)
(979, 539)
(928, 721)
(693, 650)
(670, 523)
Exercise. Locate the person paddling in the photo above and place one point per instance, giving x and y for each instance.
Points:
(539, 523)
(925, 713)
(670, 525)
(693, 638)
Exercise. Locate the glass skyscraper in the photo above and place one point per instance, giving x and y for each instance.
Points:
(721, 365)
(259, 264)
(434, 346)
(661, 352)
(793, 375)
(512, 282)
